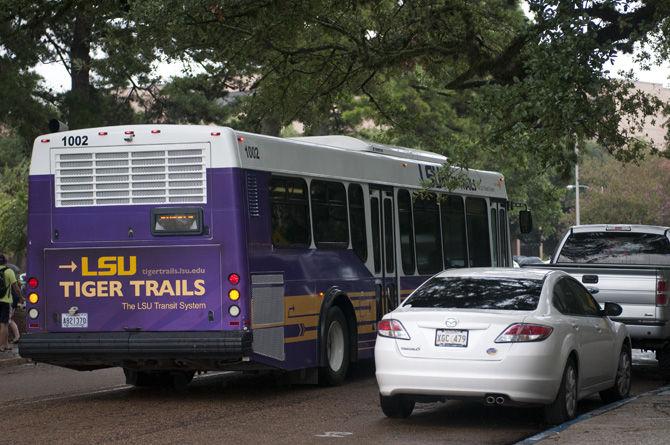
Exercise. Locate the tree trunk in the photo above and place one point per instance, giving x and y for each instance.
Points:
(80, 69)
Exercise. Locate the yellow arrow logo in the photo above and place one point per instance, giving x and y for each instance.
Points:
(72, 266)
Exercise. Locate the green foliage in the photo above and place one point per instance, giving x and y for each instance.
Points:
(624, 193)
(13, 200)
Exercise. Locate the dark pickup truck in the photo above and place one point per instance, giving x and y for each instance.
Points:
(628, 265)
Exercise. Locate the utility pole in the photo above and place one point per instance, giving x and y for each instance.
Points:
(577, 219)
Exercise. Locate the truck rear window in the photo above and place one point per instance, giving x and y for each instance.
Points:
(513, 294)
(616, 248)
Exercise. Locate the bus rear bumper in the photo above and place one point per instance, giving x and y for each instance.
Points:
(138, 350)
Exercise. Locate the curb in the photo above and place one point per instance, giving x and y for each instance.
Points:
(14, 361)
(586, 416)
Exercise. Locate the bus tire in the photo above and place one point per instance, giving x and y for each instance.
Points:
(138, 378)
(335, 342)
(180, 380)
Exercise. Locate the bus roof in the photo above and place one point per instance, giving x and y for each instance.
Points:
(338, 157)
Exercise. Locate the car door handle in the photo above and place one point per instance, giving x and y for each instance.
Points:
(598, 327)
(575, 326)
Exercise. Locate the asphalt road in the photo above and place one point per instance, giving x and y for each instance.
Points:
(45, 404)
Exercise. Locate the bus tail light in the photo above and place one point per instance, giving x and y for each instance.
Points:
(234, 279)
(33, 313)
(234, 294)
(33, 298)
(234, 310)
(392, 328)
(661, 292)
(524, 332)
(33, 282)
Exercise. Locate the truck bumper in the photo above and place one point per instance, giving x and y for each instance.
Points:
(140, 350)
(647, 333)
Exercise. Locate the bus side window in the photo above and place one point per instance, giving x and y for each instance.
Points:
(453, 232)
(494, 233)
(290, 212)
(329, 214)
(406, 232)
(502, 222)
(477, 218)
(427, 232)
(359, 243)
(374, 214)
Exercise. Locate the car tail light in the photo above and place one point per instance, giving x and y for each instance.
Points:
(392, 328)
(524, 332)
(661, 293)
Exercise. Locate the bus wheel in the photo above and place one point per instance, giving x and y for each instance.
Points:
(138, 378)
(180, 380)
(335, 340)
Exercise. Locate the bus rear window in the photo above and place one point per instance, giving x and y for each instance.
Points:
(616, 248)
(513, 294)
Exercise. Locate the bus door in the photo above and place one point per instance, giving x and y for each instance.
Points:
(383, 245)
(499, 233)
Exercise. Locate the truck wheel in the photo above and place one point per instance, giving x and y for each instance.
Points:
(621, 387)
(396, 407)
(565, 406)
(335, 340)
(663, 357)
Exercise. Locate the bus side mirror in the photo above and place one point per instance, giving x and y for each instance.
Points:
(525, 221)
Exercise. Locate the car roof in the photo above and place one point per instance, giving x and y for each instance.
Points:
(498, 272)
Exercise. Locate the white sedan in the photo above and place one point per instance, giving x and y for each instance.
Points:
(503, 337)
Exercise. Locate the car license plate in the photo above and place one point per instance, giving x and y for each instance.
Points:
(74, 321)
(451, 337)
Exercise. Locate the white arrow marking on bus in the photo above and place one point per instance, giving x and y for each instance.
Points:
(72, 266)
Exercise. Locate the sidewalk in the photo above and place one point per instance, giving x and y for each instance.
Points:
(11, 358)
(643, 419)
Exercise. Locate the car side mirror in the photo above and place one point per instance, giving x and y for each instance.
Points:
(525, 221)
(612, 310)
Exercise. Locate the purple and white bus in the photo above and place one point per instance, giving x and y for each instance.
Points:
(171, 249)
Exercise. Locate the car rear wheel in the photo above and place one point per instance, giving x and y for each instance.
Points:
(335, 340)
(564, 407)
(396, 407)
(621, 387)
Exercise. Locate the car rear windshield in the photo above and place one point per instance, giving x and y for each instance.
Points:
(616, 248)
(513, 294)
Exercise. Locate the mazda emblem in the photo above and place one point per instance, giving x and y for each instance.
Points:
(451, 322)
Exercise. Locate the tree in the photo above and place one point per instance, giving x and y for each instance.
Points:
(613, 197)
(535, 86)
(97, 45)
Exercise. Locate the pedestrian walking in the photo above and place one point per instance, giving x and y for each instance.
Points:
(7, 285)
(17, 299)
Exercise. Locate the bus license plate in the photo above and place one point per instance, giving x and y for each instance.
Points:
(451, 337)
(74, 321)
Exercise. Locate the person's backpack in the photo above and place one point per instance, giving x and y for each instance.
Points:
(3, 283)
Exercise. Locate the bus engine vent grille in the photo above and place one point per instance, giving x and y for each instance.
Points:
(252, 196)
(139, 176)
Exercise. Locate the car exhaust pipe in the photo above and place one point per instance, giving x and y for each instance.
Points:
(500, 400)
(490, 400)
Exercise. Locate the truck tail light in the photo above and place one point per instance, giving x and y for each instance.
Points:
(392, 328)
(661, 293)
(524, 332)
